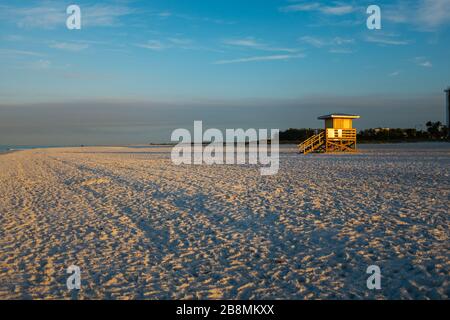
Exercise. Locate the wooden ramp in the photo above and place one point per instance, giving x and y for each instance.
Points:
(314, 144)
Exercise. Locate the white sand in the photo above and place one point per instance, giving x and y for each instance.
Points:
(139, 227)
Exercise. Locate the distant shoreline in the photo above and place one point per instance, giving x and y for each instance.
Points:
(153, 145)
(3, 152)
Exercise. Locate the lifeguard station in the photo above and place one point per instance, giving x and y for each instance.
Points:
(338, 136)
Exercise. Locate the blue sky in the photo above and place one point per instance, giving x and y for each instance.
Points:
(292, 59)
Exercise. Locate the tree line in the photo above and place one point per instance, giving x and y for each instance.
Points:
(435, 131)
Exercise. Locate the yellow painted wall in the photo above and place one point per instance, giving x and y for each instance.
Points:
(342, 123)
(338, 123)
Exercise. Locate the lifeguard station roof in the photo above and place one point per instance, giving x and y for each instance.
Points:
(339, 116)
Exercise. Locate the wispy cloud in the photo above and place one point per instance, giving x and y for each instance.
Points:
(38, 17)
(336, 45)
(301, 7)
(322, 42)
(164, 14)
(252, 43)
(40, 64)
(343, 41)
(394, 74)
(155, 45)
(13, 52)
(246, 42)
(385, 40)
(105, 15)
(186, 44)
(341, 51)
(181, 41)
(396, 13)
(434, 13)
(174, 43)
(13, 37)
(69, 46)
(425, 15)
(49, 16)
(422, 62)
(203, 19)
(261, 58)
(313, 41)
(337, 9)
(35, 65)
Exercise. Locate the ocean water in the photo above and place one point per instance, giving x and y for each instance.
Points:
(4, 148)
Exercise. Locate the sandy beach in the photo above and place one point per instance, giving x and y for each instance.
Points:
(140, 227)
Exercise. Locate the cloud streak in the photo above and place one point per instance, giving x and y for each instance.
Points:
(321, 42)
(49, 16)
(425, 15)
(434, 13)
(387, 41)
(69, 46)
(335, 10)
(261, 58)
(13, 52)
(173, 43)
(394, 74)
(422, 62)
(252, 43)
(155, 45)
